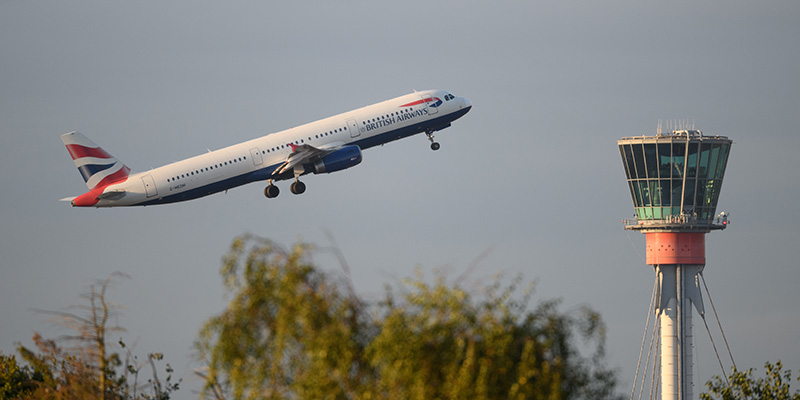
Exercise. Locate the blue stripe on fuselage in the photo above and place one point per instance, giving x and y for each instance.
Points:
(225, 184)
(266, 173)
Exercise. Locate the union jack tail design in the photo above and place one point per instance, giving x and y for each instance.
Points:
(98, 168)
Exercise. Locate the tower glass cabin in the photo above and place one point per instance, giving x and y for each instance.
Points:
(675, 179)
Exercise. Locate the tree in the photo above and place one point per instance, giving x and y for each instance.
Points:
(86, 369)
(741, 385)
(90, 330)
(287, 332)
(15, 379)
(291, 332)
(439, 342)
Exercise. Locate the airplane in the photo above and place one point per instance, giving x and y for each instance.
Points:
(324, 146)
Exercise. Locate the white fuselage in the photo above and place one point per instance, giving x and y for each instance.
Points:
(257, 159)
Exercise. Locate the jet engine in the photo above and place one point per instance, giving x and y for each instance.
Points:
(346, 157)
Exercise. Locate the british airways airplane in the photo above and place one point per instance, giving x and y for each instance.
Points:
(328, 145)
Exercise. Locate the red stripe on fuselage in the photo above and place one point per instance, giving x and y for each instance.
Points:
(417, 102)
(77, 151)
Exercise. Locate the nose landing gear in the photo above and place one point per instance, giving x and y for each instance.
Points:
(434, 145)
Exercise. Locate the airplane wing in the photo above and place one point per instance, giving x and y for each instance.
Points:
(300, 154)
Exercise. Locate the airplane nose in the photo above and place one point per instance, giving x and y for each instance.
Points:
(467, 103)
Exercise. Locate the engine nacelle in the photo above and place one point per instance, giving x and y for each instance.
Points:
(346, 157)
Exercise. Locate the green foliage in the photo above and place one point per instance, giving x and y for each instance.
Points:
(291, 332)
(288, 331)
(441, 343)
(741, 385)
(15, 380)
(86, 370)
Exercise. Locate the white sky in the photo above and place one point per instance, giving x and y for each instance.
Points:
(532, 173)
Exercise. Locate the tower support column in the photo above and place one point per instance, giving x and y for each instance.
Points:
(678, 257)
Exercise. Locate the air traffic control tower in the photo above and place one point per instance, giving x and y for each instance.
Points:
(675, 181)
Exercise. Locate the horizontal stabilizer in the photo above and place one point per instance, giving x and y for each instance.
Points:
(112, 195)
(68, 198)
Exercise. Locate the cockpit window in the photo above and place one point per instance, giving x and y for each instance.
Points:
(449, 96)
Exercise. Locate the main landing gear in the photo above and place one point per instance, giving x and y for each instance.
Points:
(298, 187)
(272, 191)
(434, 145)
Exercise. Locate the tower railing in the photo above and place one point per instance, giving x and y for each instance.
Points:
(681, 222)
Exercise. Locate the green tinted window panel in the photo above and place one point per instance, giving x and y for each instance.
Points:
(705, 156)
(723, 160)
(657, 212)
(638, 158)
(712, 194)
(650, 160)
(691, 160)
(665, 166)
(666, 192)
(678, 158)
(688, 193)
(638, 191)
(677, 191)
(713, 160)
(708, 193)
(700, 197)
(655, 193)
(624, 161)
(645, 193)
(629, 161)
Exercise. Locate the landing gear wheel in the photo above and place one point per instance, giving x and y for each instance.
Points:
(271, 191)
(298, 187)
(434, 145)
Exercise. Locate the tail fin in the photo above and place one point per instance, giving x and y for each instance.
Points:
(98, 168)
